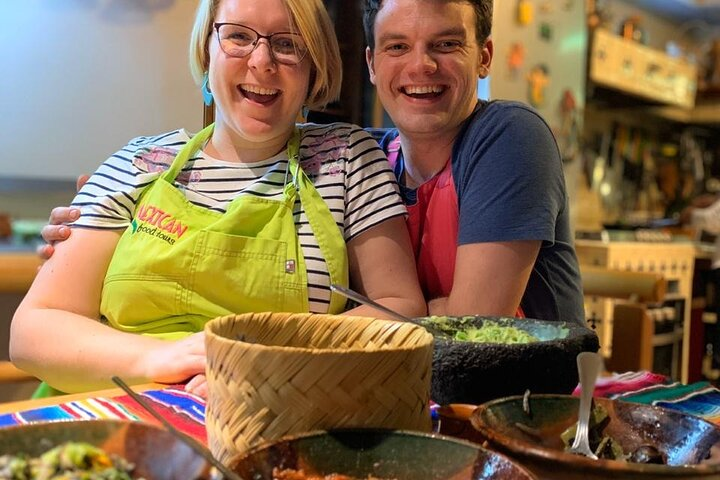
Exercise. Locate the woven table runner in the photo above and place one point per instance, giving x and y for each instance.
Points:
(700, 399)
(187, 411)
(184, 410)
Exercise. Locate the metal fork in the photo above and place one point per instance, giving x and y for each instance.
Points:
(589, 365)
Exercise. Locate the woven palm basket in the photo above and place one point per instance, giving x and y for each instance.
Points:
(273, 374)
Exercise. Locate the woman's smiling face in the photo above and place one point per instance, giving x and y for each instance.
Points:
(257, 99)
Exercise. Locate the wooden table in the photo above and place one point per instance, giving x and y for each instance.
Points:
(17, 271)
(10, 407)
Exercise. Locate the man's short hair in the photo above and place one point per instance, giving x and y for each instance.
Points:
(483, 16)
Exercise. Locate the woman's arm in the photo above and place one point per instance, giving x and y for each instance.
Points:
(382, 267)
(56, 335)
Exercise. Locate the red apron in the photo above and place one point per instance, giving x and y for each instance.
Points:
(433, 225)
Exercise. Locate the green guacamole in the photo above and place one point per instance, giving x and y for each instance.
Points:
(489, 332)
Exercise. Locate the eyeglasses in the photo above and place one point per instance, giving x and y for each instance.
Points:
(239, 41)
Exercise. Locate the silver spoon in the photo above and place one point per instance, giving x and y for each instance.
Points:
(189, 441)
(353, 295)
(589, 365)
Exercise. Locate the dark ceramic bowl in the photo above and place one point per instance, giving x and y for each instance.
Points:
(384, 454)
(534, 440)
(468, 372)
(157, 455)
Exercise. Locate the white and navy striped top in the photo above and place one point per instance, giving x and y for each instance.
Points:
(346, 165)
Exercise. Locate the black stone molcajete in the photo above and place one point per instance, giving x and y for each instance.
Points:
(467, 372)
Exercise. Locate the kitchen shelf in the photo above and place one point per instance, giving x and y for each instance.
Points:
(705, 113)
(645, 72)
(646, 115)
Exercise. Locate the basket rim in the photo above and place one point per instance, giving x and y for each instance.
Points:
(425, 339)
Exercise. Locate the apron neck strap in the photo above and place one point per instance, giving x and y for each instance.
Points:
(195, 144)
(199, 139)
(293, 153)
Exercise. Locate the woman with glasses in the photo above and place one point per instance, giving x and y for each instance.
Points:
(252, 213)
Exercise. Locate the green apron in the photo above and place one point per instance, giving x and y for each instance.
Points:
(179, 265)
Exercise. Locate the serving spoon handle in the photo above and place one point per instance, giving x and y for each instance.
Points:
(589, 365)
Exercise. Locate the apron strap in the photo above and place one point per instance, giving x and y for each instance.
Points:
(189, 149)
(393, 151)
(330, 238)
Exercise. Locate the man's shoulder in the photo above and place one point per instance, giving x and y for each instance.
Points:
(503, 123)
(500, 112)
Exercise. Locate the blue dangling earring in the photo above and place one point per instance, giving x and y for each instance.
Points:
(206, 93)
(305, 112)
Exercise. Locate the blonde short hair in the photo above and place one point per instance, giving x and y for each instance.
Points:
(313, 24)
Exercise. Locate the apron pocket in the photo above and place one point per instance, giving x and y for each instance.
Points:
(146, 304)
(240, 274)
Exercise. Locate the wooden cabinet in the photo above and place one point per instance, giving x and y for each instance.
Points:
(663, 328)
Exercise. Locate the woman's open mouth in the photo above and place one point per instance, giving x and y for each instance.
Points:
(258, 94)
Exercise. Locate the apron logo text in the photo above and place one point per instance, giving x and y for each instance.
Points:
(166, 226)
(143, 228)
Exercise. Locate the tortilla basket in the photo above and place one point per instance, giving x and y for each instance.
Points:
(274, 374)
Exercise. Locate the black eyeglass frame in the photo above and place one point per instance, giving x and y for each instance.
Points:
(256, 42)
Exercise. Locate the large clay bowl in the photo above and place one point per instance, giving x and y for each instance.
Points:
(473, 373)
(157, 455)
(534, 439)
(384, 454)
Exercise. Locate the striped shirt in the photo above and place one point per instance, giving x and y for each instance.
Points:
(347, 167)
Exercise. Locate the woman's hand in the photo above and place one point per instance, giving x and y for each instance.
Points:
(198, 386)
(176, 361)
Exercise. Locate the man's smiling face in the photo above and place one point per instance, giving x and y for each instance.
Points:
(426, 64)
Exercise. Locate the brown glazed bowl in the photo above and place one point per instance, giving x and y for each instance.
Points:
(157, 455)
(473, 373)
(689, 444)
(454, 421)
(382, 454)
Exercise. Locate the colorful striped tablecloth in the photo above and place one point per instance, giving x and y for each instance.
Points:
(184, 410)
(187, 411)
(700, 399)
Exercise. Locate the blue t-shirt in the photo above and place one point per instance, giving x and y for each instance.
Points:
(510, 185)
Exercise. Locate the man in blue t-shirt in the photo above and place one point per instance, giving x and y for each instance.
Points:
(483, 181)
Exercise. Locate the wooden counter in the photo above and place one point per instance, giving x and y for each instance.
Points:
(17, 271)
